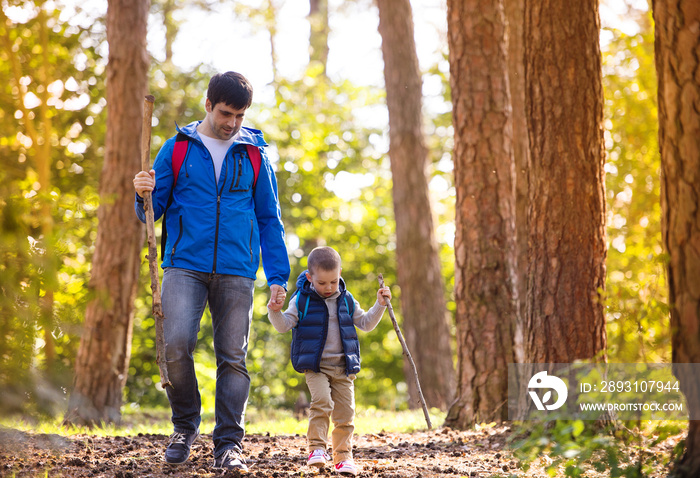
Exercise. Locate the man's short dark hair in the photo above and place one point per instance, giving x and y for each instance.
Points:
(325, 258)
(230, 88)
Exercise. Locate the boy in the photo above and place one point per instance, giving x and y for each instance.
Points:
(323, 315)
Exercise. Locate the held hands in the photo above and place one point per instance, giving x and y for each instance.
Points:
(383, 292)
(144, 181)
(277, 297)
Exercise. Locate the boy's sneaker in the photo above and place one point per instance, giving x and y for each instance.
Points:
(318, 458)
(346, 467)
(178, 449)
(231, 460)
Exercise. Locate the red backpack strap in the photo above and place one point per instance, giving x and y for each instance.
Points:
(179, 153)
(178, 157)
(255, 160)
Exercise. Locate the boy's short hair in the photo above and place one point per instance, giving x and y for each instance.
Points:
(325, 258)
(230, 88)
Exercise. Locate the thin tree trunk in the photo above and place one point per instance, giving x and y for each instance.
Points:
(43, 165)
(423, 305)
(320, 29)
(171, 28)
(271, 15)
(565, 319)
(677, 44)
(485, 244)
(105, 348)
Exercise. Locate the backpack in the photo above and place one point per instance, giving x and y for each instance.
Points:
(179, 153)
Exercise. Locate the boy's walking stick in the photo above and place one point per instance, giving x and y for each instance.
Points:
(152, 249)
(406, 353)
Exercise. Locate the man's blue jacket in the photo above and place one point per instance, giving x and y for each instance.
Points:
(220, 228)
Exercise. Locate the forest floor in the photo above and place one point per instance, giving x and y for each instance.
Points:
(441, 453)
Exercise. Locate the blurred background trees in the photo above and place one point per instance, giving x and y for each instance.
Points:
(329, 138)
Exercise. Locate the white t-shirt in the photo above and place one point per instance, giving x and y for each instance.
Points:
(217, 148)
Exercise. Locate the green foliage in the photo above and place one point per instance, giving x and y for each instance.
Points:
(577, 447)
(637, 303)
(37, 348)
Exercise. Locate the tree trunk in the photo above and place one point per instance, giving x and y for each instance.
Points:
(103, 357)
(566, 270)
(515, 26)
(320, 29)
(424, 311)
(485, 244)
(43, 165)
(171, 27)
(677, 44)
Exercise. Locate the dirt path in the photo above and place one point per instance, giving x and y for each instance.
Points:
(441, 453)
(444, 453)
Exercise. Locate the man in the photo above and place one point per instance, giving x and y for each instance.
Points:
(219, 214)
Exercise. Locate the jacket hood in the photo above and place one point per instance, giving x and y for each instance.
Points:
(245, 135)
(304, 285)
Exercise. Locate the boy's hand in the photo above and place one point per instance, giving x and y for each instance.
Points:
(277, 297)
(383, 292)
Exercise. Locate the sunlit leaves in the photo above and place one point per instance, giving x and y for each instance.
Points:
(637, 311)
(72, 89)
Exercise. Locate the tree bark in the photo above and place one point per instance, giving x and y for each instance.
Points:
(677, 43)
(105, 347)
(423, 302)
(485, 244)
(567, 250)
(515, 28)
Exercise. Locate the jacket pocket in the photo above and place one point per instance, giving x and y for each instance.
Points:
(240, 181)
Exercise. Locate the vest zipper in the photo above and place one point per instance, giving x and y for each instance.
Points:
(325, 335)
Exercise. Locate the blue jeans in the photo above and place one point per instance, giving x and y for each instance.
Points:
(185, 294)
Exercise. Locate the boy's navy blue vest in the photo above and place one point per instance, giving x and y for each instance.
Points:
(309, 336)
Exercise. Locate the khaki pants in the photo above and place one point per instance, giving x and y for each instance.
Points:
(332, 396)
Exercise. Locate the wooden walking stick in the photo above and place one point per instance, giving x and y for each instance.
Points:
(406, 353)
(152, 249)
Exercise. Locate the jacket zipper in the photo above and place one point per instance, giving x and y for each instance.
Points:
(250, 241)
(177, 241)
(216, 234)
(240, 169)
(224, 171)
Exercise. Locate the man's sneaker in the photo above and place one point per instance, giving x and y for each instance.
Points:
(231, 460)
(178, 449)
(318, 458)
(346, 467)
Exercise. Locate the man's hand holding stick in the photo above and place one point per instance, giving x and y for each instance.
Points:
(152, 248)
(406, 352)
